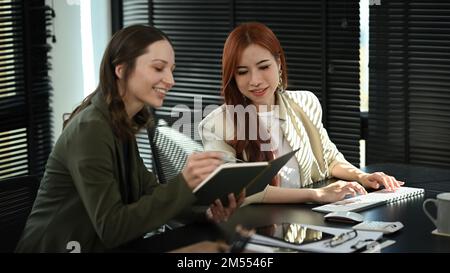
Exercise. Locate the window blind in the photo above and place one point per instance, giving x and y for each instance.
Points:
(409, 80)
(25, 91)
(198, 30)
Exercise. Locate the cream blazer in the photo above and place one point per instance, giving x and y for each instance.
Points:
(300, 115)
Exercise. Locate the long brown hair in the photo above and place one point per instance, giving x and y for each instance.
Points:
(238, 40)
(125, 47)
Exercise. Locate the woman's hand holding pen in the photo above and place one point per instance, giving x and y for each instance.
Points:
(199, 166)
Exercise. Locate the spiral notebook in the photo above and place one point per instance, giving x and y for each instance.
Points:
(376, 198)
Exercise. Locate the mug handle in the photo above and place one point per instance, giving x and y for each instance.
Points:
(426, 211)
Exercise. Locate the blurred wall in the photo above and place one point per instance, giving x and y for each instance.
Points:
(66, 54)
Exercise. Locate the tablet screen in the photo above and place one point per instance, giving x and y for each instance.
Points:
(293, 233)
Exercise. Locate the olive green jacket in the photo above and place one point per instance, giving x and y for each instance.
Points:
(80, 197)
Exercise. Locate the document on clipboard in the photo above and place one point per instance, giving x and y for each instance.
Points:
(311, 238)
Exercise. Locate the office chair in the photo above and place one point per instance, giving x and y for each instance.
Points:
(170, 148)
(17, 196)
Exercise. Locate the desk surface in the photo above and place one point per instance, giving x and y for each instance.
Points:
(414, 237)
(434, 180)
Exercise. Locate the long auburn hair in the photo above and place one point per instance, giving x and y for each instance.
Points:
(125, 47)
(238, 40)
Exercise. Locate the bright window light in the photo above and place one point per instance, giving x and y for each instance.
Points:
(87, 47)
(364, 68)
(364, 54)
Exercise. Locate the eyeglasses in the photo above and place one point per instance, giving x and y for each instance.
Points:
(342, 238)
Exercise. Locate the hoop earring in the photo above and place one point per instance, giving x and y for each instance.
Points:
(280, 86)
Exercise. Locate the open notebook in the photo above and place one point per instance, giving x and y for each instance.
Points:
(376, 198)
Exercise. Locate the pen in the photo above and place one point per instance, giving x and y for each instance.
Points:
(231, 159)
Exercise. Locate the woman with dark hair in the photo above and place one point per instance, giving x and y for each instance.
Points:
(261, 120)
(96, 194)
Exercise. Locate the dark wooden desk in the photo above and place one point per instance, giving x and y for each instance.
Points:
(432, 179)
(414, 237)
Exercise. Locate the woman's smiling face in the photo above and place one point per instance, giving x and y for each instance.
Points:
(257, 75)
(151, 78)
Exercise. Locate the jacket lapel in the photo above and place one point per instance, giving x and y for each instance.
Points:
(121, 167)
(292, 134)
(136, 188)
(297, 137)
(99, 101)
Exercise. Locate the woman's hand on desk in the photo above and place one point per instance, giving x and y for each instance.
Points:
(337, 191)
(374, 180)
(218, 213)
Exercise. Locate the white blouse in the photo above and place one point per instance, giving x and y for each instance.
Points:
(290, 173)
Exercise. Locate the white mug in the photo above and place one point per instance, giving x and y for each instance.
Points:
(442, 203)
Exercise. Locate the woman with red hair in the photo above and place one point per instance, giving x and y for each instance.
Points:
(261, 120)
